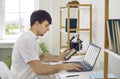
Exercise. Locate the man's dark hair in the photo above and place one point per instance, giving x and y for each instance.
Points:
(40, 15)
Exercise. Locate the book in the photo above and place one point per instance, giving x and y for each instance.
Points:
(110, 34)
(114, 37)
(117, 32)
(113, 31)
(118, 28)
(101, 76)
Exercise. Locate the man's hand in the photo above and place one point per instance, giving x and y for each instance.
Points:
(65, 52)
(72, 66)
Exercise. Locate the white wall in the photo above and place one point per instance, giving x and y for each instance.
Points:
(56, 4)
(114, 12)
(99, 28)
(1, 17)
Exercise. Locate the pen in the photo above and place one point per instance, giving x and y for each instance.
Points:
(72, 75)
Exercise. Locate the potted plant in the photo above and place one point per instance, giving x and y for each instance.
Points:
(42, 46)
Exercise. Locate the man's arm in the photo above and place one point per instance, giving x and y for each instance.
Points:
(45, 69)
(51, 58)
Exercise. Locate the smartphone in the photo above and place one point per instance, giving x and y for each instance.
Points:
(72, 52)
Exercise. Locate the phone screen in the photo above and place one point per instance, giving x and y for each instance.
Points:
(73, 51)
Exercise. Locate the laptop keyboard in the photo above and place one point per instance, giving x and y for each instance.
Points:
(90, 58)
(84, 67)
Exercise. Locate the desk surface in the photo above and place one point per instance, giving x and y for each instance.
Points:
(81, 75)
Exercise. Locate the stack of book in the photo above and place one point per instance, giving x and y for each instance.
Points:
(101, 76)
(113, 30)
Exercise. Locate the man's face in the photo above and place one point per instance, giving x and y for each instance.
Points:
(43, 28)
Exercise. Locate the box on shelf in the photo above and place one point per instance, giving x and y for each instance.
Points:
(101, 76)
(73, 24)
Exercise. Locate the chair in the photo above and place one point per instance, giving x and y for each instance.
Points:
(4, 71)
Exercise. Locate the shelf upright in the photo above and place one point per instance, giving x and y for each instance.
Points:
(79, 28)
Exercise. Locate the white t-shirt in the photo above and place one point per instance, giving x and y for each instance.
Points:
(26, 49)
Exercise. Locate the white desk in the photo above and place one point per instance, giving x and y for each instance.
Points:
(82, 75)
(63, 74)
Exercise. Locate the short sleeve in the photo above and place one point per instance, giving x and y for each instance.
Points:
(28, 50)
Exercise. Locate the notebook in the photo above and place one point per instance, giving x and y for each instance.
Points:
(90, 58)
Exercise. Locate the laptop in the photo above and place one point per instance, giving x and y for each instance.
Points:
(88, 62)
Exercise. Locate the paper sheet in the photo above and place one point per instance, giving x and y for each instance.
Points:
(65, 76)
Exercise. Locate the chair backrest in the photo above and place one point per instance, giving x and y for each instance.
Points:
(4, 71)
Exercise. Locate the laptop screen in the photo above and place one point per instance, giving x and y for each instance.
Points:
(92, 54)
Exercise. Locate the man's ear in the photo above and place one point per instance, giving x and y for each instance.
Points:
(37, 23)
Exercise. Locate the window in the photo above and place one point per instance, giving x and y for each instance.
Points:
(17, 15)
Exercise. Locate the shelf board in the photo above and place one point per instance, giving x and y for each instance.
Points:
(81, 29)
(112, 53)
(66, 33)
(81, 5)
(63, 32)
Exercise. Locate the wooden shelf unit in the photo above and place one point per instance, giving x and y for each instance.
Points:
(106, 40)
(107, 52)
(78, 20)
(112, 53)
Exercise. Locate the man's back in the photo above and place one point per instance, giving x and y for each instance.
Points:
(25, 50)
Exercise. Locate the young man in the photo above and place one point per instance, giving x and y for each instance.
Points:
(27, 56)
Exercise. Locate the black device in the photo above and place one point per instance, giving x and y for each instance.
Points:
(77, 45)
(72, 52)
(74, 47)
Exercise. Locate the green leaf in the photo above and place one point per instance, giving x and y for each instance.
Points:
(8, 61)
(43, 48)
